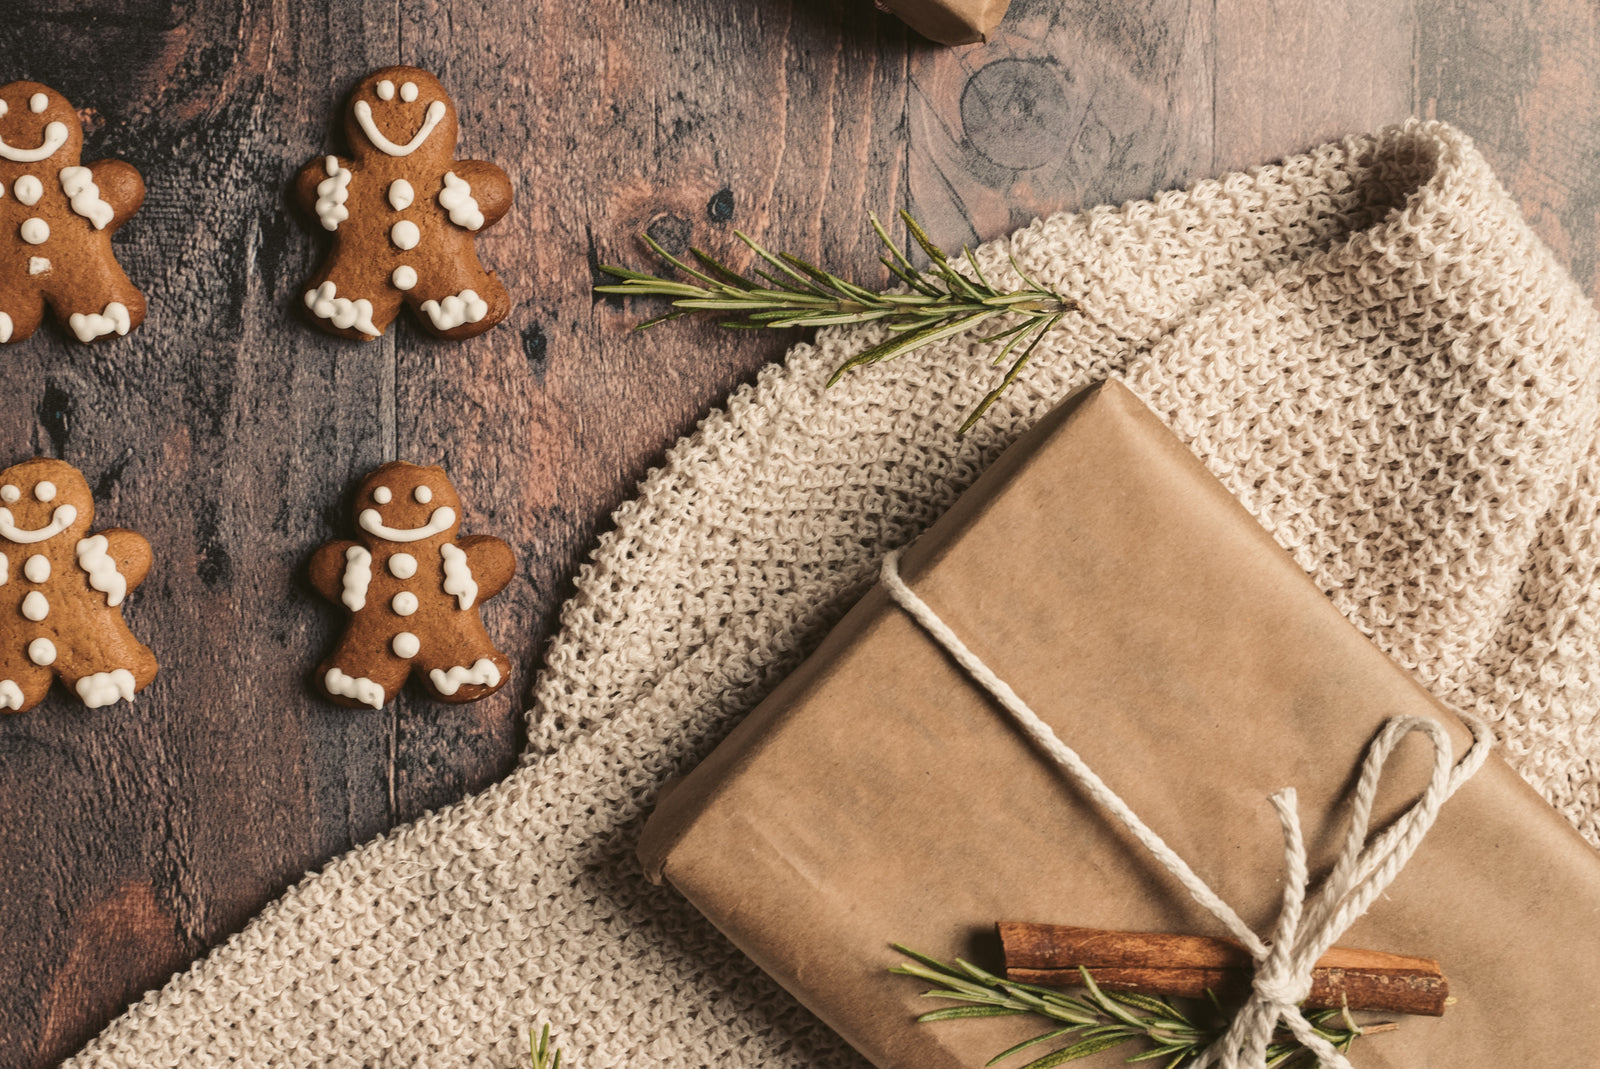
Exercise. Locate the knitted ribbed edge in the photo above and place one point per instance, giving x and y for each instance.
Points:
(1366, 344)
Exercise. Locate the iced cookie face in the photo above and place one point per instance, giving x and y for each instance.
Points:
(38, 128)
(42, 500)
(408, 504)
(401, 113)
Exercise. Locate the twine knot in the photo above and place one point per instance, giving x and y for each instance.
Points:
(1306, 926)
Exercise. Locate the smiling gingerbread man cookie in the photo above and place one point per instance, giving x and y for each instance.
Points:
(403, 215)
(62, 590)
(56, 221)
(413, 591)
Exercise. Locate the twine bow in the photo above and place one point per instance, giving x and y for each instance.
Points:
(1303, 932)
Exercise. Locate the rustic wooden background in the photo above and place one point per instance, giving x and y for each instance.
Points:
(134, 838)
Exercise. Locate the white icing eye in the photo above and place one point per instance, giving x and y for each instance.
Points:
(382, 495)
(386, 90)
(422, 494)
(408, 92)
(38, 102)
(4, 107)
(9, 493)
(45, 491)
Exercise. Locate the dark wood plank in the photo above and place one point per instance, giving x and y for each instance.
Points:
(1069, 106)
(138, 836)
(1293, 76)
(1524, 81)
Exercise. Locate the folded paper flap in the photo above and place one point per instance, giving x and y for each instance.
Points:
(1159, 630)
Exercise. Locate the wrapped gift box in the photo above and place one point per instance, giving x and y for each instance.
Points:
(949, 22)
(879, 796)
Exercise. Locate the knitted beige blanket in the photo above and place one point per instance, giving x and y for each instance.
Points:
(1367, 344)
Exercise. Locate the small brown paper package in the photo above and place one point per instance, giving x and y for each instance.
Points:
(949, 22)
(878, 795)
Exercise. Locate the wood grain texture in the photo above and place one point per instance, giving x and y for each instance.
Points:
(230, 434)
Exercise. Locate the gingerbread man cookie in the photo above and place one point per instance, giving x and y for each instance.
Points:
(403, 215)
(56, 221)
(413, 591)
(61, 592)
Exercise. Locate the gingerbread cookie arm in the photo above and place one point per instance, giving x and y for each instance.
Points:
(311, 177)
(327, 567)
(120, 186)
(490, 188)
(128, 550)
(492, 562)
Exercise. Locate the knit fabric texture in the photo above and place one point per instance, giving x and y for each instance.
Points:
(1366, 344)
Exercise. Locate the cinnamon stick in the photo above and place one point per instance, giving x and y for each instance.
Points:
(1155, 963)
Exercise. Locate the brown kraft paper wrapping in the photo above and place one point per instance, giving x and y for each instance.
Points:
(879, 795)
(949, 22)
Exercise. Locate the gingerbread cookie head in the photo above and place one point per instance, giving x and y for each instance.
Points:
(401, 113)
(414, 591)
(62, 591)
(56, 220)
(404, 216)
(44, 499)
(39, 130)
(405, 505)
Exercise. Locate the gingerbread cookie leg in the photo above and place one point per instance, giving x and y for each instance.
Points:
(362, 312)
(457, 300)
(361, 672)
(21, 312)
(107, 304)
(462, 671)
(23, 684)
(98, 682)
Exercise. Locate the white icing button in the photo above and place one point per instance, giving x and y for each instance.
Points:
(45, 491)
(404, 234)
(404, 277)
(37, 569)
(42, 651)
(29, 189)
(408, 92)
(38, 265)
(386, 90)
(406, 645)
(4, 107)
(9, 493)
(35, 607)
(422, 494)
(382, 495)
(35, 231)
(401, 194)
(402, 565)
(404, 603)
(38, 102)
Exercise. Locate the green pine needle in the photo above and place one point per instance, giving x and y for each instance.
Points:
(937, 303)
(1098, 1020)
(539, 1051)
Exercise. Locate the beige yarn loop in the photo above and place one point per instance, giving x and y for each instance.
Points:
(1363, 871)
(1366, 344)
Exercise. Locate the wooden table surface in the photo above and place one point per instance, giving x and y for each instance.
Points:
(227, 432)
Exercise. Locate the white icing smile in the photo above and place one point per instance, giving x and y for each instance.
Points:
(55, 135)
(372, 523)
(364, 118)
(60, 520)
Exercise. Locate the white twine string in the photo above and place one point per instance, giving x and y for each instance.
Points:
(1302, 933)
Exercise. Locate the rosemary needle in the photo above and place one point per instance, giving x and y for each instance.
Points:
(936, 303)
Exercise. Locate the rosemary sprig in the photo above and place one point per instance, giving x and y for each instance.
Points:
(935, 304)
(539, 1051)
(1098, 1020)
